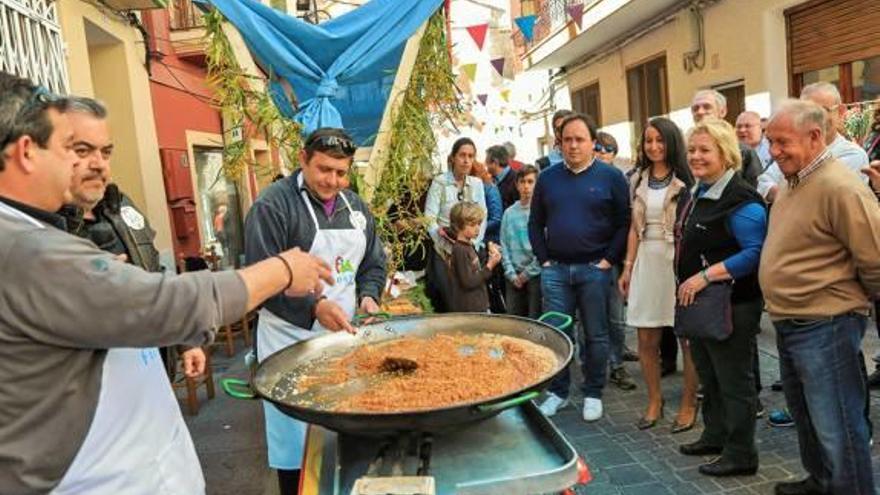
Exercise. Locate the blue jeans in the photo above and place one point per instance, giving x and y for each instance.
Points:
(583, 287)
(825, 390)
(616, 321)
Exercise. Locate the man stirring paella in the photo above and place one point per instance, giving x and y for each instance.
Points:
(312, 210)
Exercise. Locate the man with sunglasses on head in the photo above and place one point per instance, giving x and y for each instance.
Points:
(101, 213)
(87, 407)
(313, 211)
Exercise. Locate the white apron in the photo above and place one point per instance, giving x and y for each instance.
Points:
(137, 442)
(343, 250)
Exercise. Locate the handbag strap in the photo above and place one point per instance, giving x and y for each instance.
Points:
(679, 229)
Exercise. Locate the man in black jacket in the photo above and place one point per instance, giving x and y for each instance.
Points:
(101, 213)
(711, 103)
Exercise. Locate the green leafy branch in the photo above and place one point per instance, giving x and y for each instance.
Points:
(430, 98)
(245, 102)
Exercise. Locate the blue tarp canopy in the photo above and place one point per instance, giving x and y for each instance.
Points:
(341, 70)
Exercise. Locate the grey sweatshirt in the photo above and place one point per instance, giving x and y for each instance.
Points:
(63, 303)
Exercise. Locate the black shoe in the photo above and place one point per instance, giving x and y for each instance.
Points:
(723, 467)
(874, 379)
(620, 377)
(699, 448)
(683, 427)
(645, 423)
(777, 386)
(807, 486)
(629, 355)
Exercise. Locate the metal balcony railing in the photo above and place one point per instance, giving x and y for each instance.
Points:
(185, 15)
(31, 43)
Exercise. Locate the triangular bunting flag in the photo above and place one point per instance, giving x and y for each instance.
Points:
(526, 25)
(483, 99)
(505, 95)
(478, 33)
(498, 63)
(577, 13)
(470, 70)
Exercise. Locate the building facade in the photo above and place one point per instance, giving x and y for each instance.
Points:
(630, 60)
(105, 59)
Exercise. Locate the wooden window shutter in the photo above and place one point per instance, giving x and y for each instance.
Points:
(823, 33)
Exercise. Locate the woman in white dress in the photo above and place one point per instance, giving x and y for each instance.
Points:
(661, 180)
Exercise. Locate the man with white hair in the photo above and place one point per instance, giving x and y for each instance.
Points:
(819, 268)
(850, 154)
(750, 133)
(711, 103)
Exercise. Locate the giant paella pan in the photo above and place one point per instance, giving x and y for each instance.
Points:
(379, 381)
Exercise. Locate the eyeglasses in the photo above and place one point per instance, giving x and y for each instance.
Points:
(604, 148)
(323, 143)
(40, 99)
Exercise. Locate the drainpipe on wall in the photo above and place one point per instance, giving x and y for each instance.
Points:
(696, 59)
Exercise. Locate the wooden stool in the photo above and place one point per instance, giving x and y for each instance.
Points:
(241, 327)
(192, 385)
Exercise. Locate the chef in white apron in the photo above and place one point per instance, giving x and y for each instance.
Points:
(343, 235)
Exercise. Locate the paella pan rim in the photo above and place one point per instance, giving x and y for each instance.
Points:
(311, 412)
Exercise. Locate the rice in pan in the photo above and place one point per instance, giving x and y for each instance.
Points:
(451, 369)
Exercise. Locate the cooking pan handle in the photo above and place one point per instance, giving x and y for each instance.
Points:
(238, 389)
(381, 315)
(500, 406)
(567, 320)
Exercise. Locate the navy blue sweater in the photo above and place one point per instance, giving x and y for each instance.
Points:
(580, 218)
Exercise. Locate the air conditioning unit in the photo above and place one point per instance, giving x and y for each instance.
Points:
(135, 4)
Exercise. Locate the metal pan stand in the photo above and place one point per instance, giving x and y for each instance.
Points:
(517, 452)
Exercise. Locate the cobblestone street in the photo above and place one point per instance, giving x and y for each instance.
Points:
(228, 435)
(625, 460)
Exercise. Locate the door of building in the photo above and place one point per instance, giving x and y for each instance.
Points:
(221, 224)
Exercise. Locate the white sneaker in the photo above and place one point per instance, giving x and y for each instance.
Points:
(592, 409)
(552, 404)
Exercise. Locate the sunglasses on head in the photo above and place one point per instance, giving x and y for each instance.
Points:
(324, 143)
(40, 99)
(601, 148)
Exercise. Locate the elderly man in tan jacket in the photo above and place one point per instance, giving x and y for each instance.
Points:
(820, 263)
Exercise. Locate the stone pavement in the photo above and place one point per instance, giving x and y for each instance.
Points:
(625, 460)
(228, 435)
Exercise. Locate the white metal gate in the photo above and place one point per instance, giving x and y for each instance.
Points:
(31, 45)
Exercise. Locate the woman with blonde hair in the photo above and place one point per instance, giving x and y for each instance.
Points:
(720, 234)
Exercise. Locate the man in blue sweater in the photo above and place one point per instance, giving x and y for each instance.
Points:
(578, 226)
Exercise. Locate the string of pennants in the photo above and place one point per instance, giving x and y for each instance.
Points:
(526, 25)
